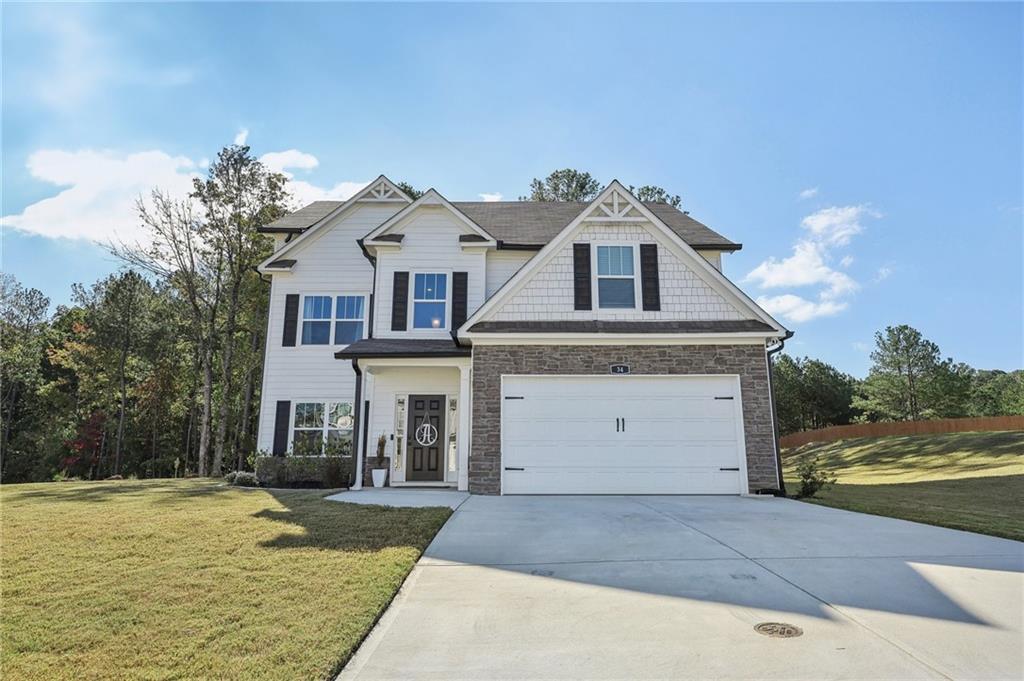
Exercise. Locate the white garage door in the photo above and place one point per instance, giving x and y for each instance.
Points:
(622, 435)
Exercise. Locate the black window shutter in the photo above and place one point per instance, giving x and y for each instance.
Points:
(581, 276)
(649, 286)
(400, 301)
(460, 287)
(291, 319)
(281, 418)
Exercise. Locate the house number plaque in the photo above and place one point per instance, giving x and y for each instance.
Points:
(619, 369)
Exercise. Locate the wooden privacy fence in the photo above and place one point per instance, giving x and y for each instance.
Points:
(832, 433)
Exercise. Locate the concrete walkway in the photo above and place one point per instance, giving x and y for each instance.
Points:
(672, 587)
(402, 496)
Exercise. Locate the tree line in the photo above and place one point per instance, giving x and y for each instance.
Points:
(909, 380)
(155, 370)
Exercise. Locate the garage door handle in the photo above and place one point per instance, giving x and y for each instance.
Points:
(616, 425)
(514, 468)
(728, 469)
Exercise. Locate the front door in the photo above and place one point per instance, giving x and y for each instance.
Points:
(426, 438)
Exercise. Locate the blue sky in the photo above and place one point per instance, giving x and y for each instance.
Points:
(869, 157)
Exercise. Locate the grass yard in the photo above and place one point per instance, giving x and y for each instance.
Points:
(192, 579)
(967, 481)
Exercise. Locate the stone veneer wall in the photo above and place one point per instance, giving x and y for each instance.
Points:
(490, 362)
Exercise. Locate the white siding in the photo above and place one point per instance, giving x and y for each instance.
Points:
(430, 244)
(713, 257)
(330, 263)
(501, 265)
(548, 295)
(391, 382)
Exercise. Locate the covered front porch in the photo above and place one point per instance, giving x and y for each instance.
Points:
(415, 411)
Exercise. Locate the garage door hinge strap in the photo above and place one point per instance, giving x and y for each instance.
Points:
(728, 469)
(520, 397)
(513, 468)
(717, 398)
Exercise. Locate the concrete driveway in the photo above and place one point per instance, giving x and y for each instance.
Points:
(672, 587)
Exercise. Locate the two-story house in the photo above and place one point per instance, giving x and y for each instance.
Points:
(518, 347)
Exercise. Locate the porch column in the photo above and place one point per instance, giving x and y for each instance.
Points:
(462, 442)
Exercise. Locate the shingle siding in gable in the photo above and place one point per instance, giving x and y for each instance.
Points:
(683, 295)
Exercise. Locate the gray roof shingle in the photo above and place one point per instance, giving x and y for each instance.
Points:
(526, 223)
(403, 347)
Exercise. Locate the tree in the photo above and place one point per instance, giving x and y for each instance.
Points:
(811, 394)
(23, 336)
(909, 381)
(650, 193)
(564, 185)
(575, 185)
(239, 196)
(185, 253)
(409, 190)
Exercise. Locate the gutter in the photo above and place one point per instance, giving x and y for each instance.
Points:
(775, 411)
(357, 484)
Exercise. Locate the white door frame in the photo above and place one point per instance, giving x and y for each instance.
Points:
(737, 407)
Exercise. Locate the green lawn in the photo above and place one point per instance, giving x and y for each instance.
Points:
(192, 579)
(967, 481)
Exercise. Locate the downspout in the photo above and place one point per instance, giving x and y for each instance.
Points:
(775, 414)
(373, 290)
(357, 484)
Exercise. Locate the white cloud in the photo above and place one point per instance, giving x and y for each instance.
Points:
(838, 224)
(808, 193)
(797, 309)
(861, 346)
(806, 267)
(810, 266)
(495, 196)
(278, 161)
(242, 135)
(883, 273)
(99, 189)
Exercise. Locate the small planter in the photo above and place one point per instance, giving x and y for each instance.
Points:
(380, 476)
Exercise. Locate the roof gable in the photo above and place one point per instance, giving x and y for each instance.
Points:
(430, 198)
(617, 205)
(381, 190)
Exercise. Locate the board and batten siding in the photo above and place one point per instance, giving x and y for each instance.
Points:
(430, 244)
(502, 265)
(329, 263)
(548, 295)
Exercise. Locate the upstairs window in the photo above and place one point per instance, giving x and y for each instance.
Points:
(316, 320)
(349, 325)
(347, 319)
(429, 301)
(616, 281)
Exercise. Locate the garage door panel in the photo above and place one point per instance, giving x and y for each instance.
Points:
(663, 455)
(618, 481)
(621, 435)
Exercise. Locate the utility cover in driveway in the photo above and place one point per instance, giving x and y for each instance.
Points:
(622, 435)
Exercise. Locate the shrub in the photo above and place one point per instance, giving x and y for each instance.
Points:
(246, 479)
(230, 477)
(303, 471)
(812, 478)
